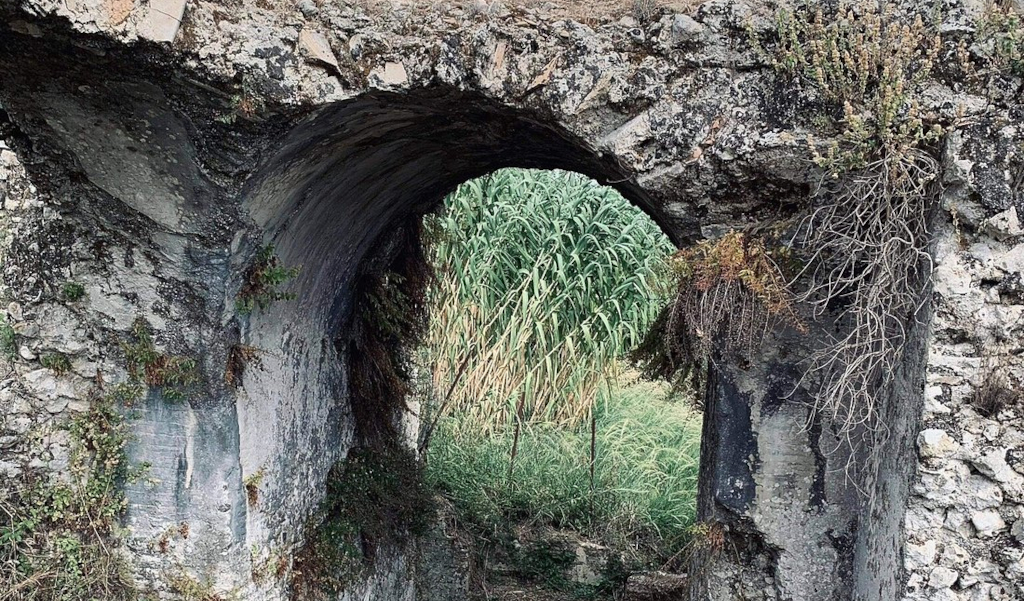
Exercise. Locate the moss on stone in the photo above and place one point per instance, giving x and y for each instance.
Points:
(375, 498)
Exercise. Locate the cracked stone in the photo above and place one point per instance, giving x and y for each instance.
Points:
(1004, 225)
(919, 556)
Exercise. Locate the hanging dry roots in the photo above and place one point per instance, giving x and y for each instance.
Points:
(730, 293)
(867, 269)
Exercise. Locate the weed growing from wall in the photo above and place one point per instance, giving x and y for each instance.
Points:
(173, 374)
(864, 239)
(240, 358)
(73, 291)
(58, 363)
(56, 536)
(190, 588)
(865, 64)
(729, 292)
(263, 280)
(1002, 35)
(8, 341)
(1001, 388)
(252, 484)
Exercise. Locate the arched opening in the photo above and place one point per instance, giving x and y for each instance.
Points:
(337, 201)
(561, 467)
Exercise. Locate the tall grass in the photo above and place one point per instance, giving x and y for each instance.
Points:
(645, 475)
(544, 279)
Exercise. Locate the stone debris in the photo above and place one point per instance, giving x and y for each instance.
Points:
(936, 443)
(988, 523)
(1005, 225)
(314, 45)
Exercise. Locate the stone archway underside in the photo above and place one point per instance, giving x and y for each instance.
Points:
(164, 165)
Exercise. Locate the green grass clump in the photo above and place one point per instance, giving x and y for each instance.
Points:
(73, 291)
(58, 363)
(8, 341)
(543, 279)
(645, 473)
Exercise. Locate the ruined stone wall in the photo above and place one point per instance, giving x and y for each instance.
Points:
(164, 154)
(965, 521)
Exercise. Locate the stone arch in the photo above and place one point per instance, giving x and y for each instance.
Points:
(334, 186)
(337, 184)
(696, 152)
(343, 179)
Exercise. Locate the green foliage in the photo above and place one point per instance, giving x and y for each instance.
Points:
(58, 363)
(73, 291)
(375, 497)
(1002, 32)
(8, 341)
(173, 374)
(56, 544)
(263, 280)
(645, 484)
(866, 63)
(544, 278)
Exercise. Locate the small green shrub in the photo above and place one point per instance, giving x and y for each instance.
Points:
(8, 341)
(263, 280)
(73, 291)
(866, 62)
(1002, 32)
(173, 374)
(58, 363)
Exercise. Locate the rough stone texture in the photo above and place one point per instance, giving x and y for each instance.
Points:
(161, 167)
(969, 487)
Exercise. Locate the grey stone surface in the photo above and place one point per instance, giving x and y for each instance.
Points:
(151, 174)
